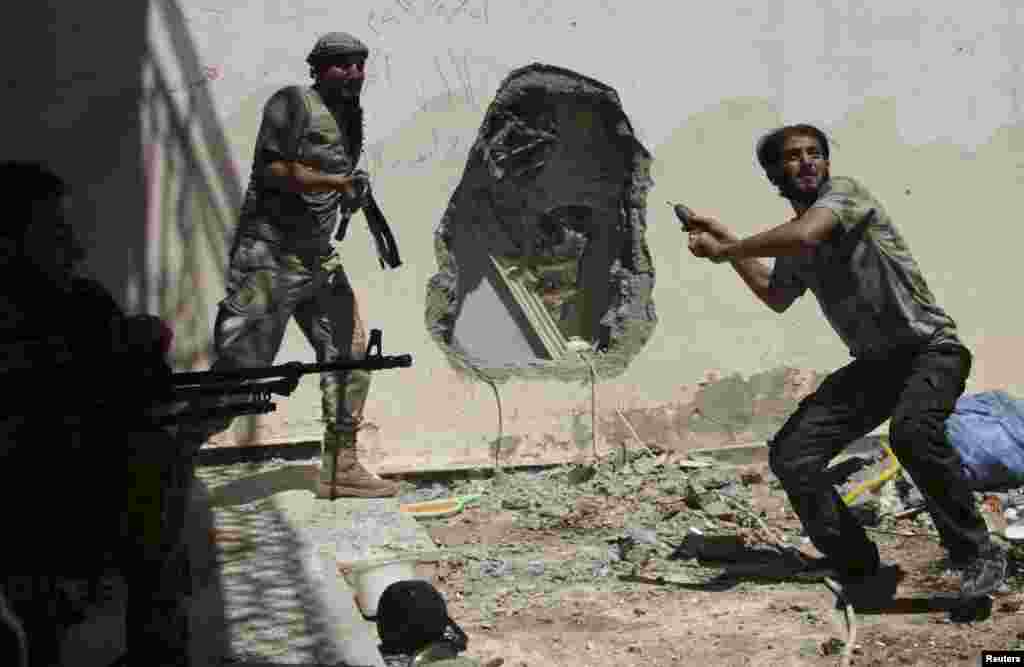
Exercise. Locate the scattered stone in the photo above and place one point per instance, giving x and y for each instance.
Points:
(712, 479)
(832, 646)
(434, 491)
(535, 568)
(731, 490)
(515, 503)
(750, 477)
(493, 567)
(642, 535)
(696, 495)
(581, 474)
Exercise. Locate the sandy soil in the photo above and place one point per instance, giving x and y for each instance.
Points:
(638, 615)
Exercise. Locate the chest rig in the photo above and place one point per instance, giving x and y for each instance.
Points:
(332, 140)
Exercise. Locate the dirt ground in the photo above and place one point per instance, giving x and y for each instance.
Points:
(546, 570)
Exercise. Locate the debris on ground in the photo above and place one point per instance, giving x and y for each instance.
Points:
(648, 562)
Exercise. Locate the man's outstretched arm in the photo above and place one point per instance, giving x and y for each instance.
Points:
(791, 238)
(709, 238)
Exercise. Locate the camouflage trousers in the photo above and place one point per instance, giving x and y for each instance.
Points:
(266, 288)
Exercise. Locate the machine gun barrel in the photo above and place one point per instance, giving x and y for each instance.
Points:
(288, 370)
(257, 385)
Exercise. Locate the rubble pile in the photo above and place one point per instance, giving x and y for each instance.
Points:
(639, 526)
(597, 527)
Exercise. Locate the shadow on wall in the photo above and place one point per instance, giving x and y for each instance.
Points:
(192, 194)
(543, 239)
(71, 92)
(192, 190)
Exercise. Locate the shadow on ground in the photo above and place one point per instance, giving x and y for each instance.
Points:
(263, 485)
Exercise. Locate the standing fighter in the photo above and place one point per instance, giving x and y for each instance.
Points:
(283, 264)
(909, 365)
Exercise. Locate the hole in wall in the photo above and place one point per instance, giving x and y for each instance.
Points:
(543, 239)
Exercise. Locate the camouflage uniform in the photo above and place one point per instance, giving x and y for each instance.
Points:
(106, 499)
(284, 265)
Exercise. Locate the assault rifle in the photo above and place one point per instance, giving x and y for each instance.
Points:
(383, 239)
(250, 391)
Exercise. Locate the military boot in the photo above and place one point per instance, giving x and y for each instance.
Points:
(343, 476)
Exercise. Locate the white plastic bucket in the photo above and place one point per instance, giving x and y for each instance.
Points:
(370, 579)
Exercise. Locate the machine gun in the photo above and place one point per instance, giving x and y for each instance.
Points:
(249, 391)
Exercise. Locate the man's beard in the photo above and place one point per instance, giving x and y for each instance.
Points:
(791, 191)
(345, 91)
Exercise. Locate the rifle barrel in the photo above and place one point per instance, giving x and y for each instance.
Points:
(292, 369)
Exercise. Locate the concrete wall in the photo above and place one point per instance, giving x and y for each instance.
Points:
(924, 107)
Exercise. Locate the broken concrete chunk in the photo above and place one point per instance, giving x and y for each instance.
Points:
(493, 567)
(731, 490)
(750, 477)
(515, 503)
(712, 479)
(535, 568)
(641, 535)
(581, 474)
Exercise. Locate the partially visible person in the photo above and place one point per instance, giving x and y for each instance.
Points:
(301, 196)
(909, 364)
(415, 629)
(93, 481)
